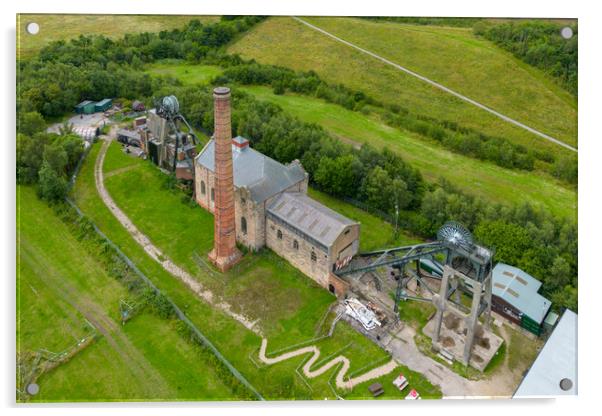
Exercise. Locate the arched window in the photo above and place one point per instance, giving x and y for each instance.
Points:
(296, 245)
(313, 256)
(243, 225)
(279, 235)
(213, 194)
(203, 187)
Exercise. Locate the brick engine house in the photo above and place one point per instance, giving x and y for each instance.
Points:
(271, 205)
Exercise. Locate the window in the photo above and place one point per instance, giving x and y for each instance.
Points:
(313, 256)
(243, 201)
(296, 245)
(213, 194)
(279, 235)
(243, 225)
(203, 187)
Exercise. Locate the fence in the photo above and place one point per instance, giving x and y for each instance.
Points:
(150, 284)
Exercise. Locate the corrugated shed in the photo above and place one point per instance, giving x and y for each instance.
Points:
(520, 290)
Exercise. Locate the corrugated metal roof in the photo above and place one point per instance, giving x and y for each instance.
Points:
(557, 360)
(520, 290)
(309, 216)
(104, 101)
(263, 176)
(83, 103)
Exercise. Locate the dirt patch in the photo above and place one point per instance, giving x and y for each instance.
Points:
(448, 342)
(451, 322)
(484, 342)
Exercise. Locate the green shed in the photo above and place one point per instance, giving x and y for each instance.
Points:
(85, 107)
(103, 105)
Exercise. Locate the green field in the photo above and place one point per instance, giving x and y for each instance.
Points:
(476, 177)
(452, 56)
(66, 26)
(187, 73)
(60, 286)
(263, 286)
(473, 176)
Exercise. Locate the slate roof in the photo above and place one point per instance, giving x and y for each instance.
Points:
(520, 290)
(557, 360)
(263, 176)
(309, 216)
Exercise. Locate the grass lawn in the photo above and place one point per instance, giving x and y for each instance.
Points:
(263, 286)
(67, 26)
(60, 285)
(187, 73)
(415, 380)
(471, 175)
(536, 100)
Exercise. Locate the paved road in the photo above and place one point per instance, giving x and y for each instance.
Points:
(440, 86)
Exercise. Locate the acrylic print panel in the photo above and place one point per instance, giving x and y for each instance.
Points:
(218, 208)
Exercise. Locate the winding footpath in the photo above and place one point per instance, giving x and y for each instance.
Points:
(439, 86)
(156, 254)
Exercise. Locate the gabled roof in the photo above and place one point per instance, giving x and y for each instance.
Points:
(519, 289)
(262, 176)
(309, 216)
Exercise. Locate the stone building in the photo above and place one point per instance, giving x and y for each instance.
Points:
(273, 210)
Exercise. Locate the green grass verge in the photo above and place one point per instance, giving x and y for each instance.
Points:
(263, 286)
(55, 27)
(286, 42)
(60, 285)
(187, 73)
(473, 176)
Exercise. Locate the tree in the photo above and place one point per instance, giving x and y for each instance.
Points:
(56, 157)
(559, 275)
(29, 157)
(31, 123)
(509, 240)
(66, 128)
(51, 186)
(340, 176)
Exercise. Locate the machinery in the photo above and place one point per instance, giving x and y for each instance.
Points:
(174, 149)
(466, 268)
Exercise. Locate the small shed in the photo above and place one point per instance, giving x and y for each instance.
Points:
(103, 105)
(85, 107)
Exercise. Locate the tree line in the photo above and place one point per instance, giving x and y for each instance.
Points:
(538, 43)
(380, 179)
(450, 134)
(527, 237)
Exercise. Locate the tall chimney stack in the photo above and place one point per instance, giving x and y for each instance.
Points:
(224, 254)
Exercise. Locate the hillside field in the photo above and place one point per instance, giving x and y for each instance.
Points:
(67, 26)
(263, 286)
(473, 176)
(61, 286)
(452, 56)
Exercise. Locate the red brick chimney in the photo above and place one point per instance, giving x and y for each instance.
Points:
(224, 254)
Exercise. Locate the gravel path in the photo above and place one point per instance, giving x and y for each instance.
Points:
(341, 383)
(439, 86)
(154, 252)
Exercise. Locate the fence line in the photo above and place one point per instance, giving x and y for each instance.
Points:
(175, 307)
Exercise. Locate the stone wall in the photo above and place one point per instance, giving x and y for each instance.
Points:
(299, 254)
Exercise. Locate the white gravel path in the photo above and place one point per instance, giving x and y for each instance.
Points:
(155, 253)
(341, 383)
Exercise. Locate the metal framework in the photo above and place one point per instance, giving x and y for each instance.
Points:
(466, 269)
(169, 109)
